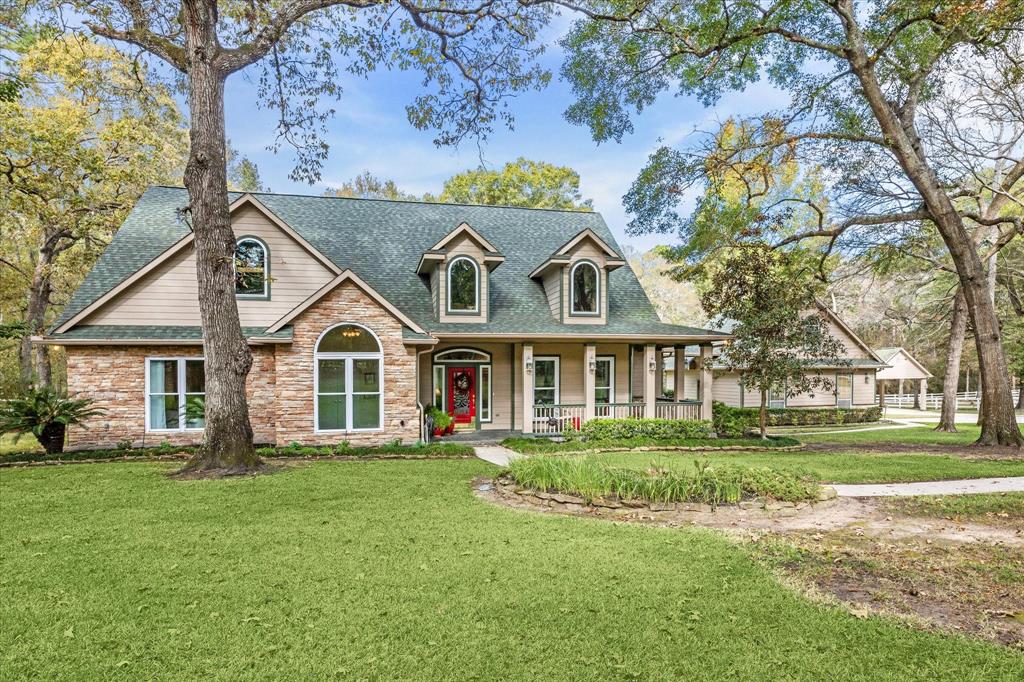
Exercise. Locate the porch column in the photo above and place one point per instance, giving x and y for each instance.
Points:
(659, 379)
(650, 379)
(680, 383)
(589, 381)
(527, 388)
(899, 390)
(922, 394)
(706, 381)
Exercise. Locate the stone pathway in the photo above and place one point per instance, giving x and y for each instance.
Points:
(1008, 484)
(496, 454)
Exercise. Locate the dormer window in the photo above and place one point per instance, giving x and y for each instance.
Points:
(585, 289)
(463, 285)
(251, 268)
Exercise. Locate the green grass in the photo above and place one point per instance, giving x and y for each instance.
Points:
(963, 506)
(841, 467)
(393, 570)
(918, 435)
(590, 478)
(545, 445)
(27, 443)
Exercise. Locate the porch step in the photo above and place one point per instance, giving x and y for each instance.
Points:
(480, 437)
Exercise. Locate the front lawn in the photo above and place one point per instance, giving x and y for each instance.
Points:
(838, 467)
(393, 570)
(915, 435)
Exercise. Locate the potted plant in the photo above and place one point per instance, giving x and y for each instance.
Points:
(46, 414)
(442, 421)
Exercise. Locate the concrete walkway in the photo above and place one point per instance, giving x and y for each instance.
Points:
(896, 424)
(1009, 484)
(496, 454)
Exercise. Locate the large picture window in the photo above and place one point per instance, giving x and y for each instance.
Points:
(348, 380)
(251, 277)
(463, 285)
(175, 394)
(545, 381)
(585, 289)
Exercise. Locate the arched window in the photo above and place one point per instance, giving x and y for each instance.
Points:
(585, 289)
(251, 266)
(348, 380)
(463, 285)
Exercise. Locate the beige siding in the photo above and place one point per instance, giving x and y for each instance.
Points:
(853, 349)
(464, 246)
(552, 288)
(864, 390)
(725, 388)
(620, 352)
(169, 295)
(691, 377)
(901, 368)
(638, 375)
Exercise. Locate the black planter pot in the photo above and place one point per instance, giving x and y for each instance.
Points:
(52, 437)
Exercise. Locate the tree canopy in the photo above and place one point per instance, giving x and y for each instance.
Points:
(523, 182)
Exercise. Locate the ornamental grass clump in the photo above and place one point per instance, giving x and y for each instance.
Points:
(708, 484)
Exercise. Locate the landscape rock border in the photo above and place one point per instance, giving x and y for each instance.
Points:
(179, 458)
(506, 490)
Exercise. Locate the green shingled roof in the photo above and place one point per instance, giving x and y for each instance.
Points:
(382, 241)
(148, 332)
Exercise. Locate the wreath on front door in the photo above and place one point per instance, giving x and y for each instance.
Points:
(462, 382)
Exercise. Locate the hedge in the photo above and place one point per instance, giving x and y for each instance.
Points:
(733, 422)
(656, 429)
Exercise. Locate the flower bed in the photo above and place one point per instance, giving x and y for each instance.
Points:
(712, 485)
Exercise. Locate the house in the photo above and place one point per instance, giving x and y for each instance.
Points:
(852, 378)
(363, 313)
(902, 367)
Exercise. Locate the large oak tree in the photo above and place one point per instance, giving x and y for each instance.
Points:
(865, 78)
(472, 55)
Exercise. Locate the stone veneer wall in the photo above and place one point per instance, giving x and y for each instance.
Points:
(115, 378)
(294, 386)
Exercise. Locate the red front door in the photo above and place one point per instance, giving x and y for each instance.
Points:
(462, 394)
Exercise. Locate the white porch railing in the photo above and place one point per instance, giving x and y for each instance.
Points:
(553, 419)
(619, 410)
(677, 410)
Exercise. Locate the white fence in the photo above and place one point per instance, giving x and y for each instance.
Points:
(933, 401)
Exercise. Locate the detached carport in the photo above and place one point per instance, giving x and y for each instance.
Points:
(902, 366)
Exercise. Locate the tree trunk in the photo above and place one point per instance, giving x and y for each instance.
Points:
(34, 363)
(957, 333)
(228, 438)
(762, 415)
(999, 423)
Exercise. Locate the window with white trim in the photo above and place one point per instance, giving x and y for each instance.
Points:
(777, 398)
(844, 390)
(348, 380)
(175, 394)
(463, 285)
(485, 393)
(585, 289)
(604, 380)
(251, 260)
(545, 380)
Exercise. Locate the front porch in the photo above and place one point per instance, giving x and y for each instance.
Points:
(546, 388)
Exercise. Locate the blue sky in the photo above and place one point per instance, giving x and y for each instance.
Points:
(370, 132)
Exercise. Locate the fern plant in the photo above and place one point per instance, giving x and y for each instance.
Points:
(46, 414)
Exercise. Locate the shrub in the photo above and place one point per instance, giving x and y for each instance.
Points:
(46, 414)
(546, 445)
(708, 484)
(658, 429)
(733, 422)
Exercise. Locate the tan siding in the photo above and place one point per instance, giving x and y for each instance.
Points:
(169, 295)
(901, 368)
(864, 390)
(552, 288)
(691, 377)
(621, 353)
(818, 397)
(853, 349)
(725, 388)
(638, 375)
